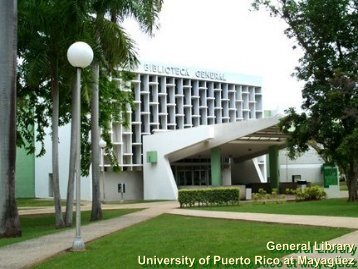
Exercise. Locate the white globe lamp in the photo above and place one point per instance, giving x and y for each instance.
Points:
(102, 144)
(80, 54)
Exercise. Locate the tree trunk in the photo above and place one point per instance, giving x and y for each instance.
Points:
(96, 213)
(9, 218)
(352, 183)
(72, 164)
(55, 166)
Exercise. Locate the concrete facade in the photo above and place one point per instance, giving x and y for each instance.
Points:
(175, 98)
(43, 167)
(307, 167)
(169, 99)
(226, 139)
(247, 172)
(133, 182)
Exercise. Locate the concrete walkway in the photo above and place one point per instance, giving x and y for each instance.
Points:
(30, 252)
(86, 206)
(324, 221)
(27, 253)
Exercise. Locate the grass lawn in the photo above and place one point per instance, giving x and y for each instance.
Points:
(176, 236)
(329, 207)
(38, 225)
(343, 186)
(35, 202)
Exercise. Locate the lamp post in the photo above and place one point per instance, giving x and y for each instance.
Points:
(102, 145)
(80, 55)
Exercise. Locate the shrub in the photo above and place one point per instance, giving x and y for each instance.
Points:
(310, 193)
(290, 191)
(262, 191)
(274, 193)
(208, 197)
(262, 197)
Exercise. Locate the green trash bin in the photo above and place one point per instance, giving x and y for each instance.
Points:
(330, 175)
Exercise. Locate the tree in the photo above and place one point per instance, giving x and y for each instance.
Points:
(111, 44)
(72, 163)
(43, 42)
(9, 218)
(327, 32)
(47, 29)
(96, 211)
(116, 53)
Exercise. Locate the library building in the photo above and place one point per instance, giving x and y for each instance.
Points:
(192, 128)
(189, 128)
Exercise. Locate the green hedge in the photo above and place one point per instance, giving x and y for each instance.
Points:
(310, 193)
(208, 197)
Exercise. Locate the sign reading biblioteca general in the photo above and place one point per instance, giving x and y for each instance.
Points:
(183, 72)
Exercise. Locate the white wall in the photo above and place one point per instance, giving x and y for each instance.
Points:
(43, 167)
(133, 181)
(308, 166)
(226, 176)
(245, 172)
(309, 172)
(159, 182)
(309, 157)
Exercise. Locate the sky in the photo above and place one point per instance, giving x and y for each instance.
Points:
(224, 35)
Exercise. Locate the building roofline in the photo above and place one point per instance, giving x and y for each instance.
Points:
(198, 73)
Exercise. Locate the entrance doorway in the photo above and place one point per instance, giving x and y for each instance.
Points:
(192, 175)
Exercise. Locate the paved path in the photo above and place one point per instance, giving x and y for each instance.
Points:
(27, 253)
(86, 206)
(343, 222)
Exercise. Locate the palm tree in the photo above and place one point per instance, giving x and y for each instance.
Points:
(44, 42)
(116, 52)
(47, 28)
(9, 219)
(112, 48)
(99, 28)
